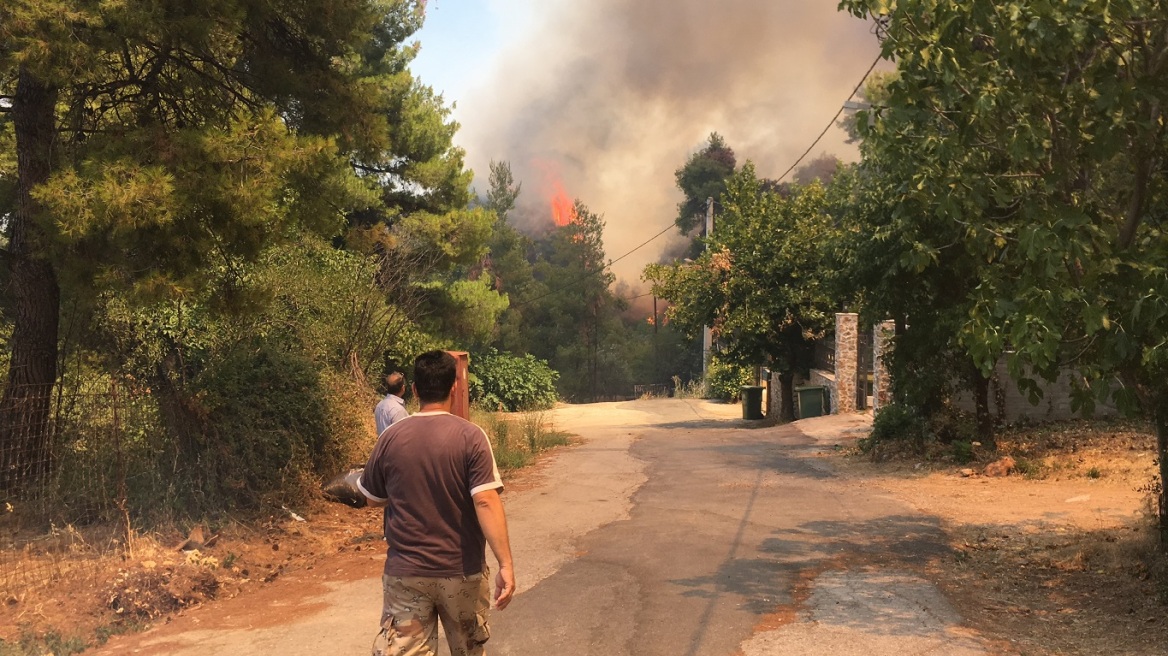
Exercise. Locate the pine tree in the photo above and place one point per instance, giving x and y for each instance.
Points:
(158, 141)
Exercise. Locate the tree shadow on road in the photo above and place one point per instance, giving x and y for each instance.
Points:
(777, 575)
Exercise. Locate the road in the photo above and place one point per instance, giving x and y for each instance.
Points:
(674, 528)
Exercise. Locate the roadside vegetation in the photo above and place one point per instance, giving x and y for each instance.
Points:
(1005, 212)
(178, 565)
(209, 265)
(519, 438)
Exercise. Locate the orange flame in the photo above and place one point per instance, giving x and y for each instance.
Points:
(563, 210)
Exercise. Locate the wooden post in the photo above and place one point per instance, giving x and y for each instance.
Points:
(461, 391)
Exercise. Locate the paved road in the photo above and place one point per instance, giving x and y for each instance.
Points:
(673, 529)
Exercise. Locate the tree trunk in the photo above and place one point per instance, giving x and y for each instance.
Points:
(787, 394)
(25, 406)
(985, 419)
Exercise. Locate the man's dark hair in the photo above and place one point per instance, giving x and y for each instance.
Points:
(434, 373)
(395, 383)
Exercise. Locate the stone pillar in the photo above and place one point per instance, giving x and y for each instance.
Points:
(882, 336)
(847, 340)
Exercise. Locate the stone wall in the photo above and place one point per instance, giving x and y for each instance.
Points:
(841, 383)
(1055, 403)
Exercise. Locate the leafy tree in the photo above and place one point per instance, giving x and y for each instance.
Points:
(762, 284)
(154, 140)
(571, 323)
(509, 261)
(1035, 132)
(930, 362)
(503, 191)
(703, 176)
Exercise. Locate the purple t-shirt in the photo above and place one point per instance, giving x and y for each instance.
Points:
(427, 467)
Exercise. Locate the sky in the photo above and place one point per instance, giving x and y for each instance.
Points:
(609, 97)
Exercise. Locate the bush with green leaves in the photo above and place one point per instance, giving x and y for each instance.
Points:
(898, 422)
(907, 427)
(511, 382)
(724, 380)
(275, 424)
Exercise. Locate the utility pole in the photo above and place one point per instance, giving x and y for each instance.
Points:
(706, 337)
(656, 355)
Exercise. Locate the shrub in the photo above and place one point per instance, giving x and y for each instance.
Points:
(897, 421)
(724, 380)
(950, 425)
(512, 383)
(275, 425)
(963, 451)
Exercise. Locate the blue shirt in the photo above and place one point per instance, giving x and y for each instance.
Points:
(391, 409)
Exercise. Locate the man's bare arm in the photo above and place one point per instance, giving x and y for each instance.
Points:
(489, 509)
(370, 500)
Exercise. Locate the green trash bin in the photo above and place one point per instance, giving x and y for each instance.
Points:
(810, 399)
(751, 402)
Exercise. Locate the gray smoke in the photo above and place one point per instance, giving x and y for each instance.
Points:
(611, 96)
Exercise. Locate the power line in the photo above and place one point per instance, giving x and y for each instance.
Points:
(833, 119)
(633, 298)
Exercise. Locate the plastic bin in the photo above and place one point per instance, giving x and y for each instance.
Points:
(751, 402)
(810, 402)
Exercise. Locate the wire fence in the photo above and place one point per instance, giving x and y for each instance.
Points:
(65, 497)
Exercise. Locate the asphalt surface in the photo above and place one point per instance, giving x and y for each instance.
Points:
(673, 528)
(741, 541)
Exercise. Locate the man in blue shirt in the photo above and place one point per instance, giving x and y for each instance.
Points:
(392, 408)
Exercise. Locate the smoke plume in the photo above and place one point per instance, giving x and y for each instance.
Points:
(609, 97)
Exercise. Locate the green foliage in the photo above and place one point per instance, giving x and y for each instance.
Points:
(251, 209)
(469, 308)
(572, 320)
(724, 380)
(268, 416)
(191, 194)
(898, 422)
(1028, 468)
(1046, 186)
(562, 308)
(512, 383)
(962, 451)
(503, 191)
(703, 176)
(1019, 147)
(763, 284)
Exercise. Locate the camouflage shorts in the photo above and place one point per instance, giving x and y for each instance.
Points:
(413, 605)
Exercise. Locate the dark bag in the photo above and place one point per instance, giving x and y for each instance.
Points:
(343, 489)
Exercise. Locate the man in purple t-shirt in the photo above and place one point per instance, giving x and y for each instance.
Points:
(437, 476)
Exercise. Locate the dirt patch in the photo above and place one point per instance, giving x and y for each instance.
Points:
(1059, 557)
(97, 597)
